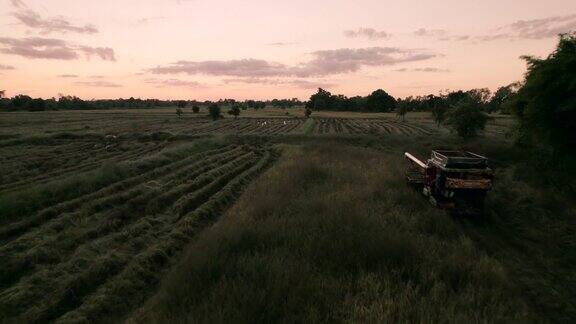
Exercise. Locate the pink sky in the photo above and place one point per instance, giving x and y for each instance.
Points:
(263, 49)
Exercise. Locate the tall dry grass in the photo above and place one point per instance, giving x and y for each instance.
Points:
(332, 234)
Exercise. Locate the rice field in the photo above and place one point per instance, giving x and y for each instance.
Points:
(104, 214)
(103, 248)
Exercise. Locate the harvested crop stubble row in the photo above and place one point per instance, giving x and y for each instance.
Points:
(52, 243)
(54, 306)
(366, 126)
(73, 240)
(71, 229)
(112, 156)
(136, 280)
(115, 241)
(146, 173)
(39, 152)
(115, 193)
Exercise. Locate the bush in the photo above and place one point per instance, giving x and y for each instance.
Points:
(195, 109)
(234, 111)
(214, 112)
(467, 119)
(545, 104)
(401, 110)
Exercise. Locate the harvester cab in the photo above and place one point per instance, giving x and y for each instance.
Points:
(453, 180)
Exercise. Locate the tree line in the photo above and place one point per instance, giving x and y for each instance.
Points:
(27, 103)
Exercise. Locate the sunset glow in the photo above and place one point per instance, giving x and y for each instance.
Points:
(260, 49)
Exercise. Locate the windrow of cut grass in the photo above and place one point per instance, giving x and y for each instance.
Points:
(74, 262)
(118, 192)
(332, 234)
(25, 202)
(52, 242)
(81, 163)
(103, 231)
(372, 126)
(110, 301)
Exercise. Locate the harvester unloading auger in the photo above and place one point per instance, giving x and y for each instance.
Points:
(452, 180)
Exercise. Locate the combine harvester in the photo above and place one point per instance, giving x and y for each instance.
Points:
(453, 180)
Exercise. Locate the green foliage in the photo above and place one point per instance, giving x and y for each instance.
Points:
(195, 109)
(439, 110)
(179, 112)
(546, 103)
(214, 111)
(501, 98)
(401, 110)
(380, 101)
(320, 100)
(467, 119)
(307, 112)
(234, 111)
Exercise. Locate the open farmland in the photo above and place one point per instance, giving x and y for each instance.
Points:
(101, 243)
(367, 126)
(14, 125)
(144, 216)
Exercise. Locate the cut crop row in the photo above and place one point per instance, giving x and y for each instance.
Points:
(109, 255)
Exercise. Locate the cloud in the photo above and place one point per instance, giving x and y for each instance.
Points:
(50, 48)
(98, 84)
(147, 20)
(67, 76)
(533, 29)
(241, 68)
(175, 83)
(430, 32)
(327, 62)
(281, 44)
(458, 38)
(32, 19)
(538, 28)
(431, 70)
(370, 33)
(347, 60)
(6, 67)
(105, 53)
(306, 84)
(426, 69)
(18, 3)
(298, 83)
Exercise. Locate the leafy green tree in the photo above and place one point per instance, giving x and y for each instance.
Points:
(401, 110)
(179, 112)
(195, 109)
(546, 103)
(235, 111)
(307, 112)
(380, 101)
(481, 95)
(37, 104)
(179, 104)
(22, 102)
(320, 100)
(438, 106)
(467, 119)
(501, 97)
(214, 111)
